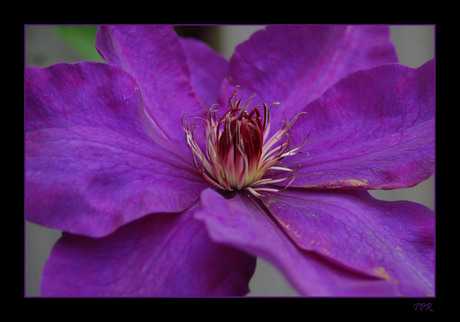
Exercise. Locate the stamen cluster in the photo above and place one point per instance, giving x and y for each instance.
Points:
(238, 150)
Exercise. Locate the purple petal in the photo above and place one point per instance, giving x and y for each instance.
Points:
(159, 255)
(241, 222)
(155, 57)
(391, 240)
(372, 130)
(294, 65)
(207, 67)
(91, 165)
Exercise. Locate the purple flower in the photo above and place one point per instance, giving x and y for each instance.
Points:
(170, 169)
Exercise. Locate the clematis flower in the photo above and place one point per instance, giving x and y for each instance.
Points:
(170, 169)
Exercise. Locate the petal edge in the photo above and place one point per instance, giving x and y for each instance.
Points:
(372, 130)
(163, 255)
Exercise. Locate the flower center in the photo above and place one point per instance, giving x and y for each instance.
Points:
(239, 155)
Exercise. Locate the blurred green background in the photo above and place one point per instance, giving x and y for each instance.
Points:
(81, 39)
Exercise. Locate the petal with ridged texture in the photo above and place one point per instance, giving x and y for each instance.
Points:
(392, 240)
(294, 65)
(372, 130)
(167, 255)
(155, 57)
(244, 224)
(92, 162)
